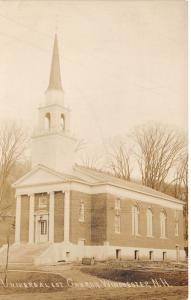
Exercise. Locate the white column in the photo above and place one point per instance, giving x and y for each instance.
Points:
(66, 216)
(51, 217)
(31, 219)
(18, 219)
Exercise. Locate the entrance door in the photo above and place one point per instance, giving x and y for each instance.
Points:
(41, 229)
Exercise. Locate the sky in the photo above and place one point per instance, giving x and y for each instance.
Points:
(123, 63)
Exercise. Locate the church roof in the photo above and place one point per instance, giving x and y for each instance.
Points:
(41, 175)
(102, 177)
(55, 82)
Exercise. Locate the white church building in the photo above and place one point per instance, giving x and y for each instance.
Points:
(66, 212)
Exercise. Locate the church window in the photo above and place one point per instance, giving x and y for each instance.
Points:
(47, 121)
(117, 224)
(163, 224)
(82, 212)
(135, 220)
(42, 202)
(62, 122)
(117, 203)
(176, 223)
(176, 229)
(149, 222)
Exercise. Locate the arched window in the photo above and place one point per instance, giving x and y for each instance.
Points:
(62, 122)
(149, 222)
(135, 220)
(163, 224)
(47, 121)
(82, 212)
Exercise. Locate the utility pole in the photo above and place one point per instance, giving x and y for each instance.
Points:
(11, 226)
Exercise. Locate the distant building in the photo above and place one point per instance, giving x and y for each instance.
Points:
(66, 212)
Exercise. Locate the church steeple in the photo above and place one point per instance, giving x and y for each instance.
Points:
(55, 82)
(53, 144)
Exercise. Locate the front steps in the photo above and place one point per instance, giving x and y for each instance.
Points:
(22, 253)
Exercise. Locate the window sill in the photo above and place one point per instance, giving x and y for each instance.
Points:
(163, 237)
(81, 221)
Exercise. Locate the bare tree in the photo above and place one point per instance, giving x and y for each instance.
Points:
(91, 161)
(12, 145)
(87, 156)
(158, 152)
(119, 160)
(181, 179)
(80, 145)
(180, 189)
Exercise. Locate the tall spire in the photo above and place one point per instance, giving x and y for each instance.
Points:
(55, 82)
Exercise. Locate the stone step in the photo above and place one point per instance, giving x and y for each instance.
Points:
(24, 253)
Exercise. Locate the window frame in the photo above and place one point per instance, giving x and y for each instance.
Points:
(163, 226)
(149, 222)
(117, 224)
(177, 228)
(40, 202)
(135, 213)
(117, 203)
(82, 212)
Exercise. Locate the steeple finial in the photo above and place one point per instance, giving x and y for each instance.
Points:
(55, 82)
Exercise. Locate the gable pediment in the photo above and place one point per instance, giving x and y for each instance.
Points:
(39, 175)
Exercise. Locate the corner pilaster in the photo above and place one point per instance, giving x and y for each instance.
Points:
(31, 218)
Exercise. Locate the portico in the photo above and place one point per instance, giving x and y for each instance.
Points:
(41, 215)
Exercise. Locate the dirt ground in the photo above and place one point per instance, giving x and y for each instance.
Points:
(178, 293)
(80, 274)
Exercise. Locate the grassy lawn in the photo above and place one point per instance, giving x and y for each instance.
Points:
(173, 278)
